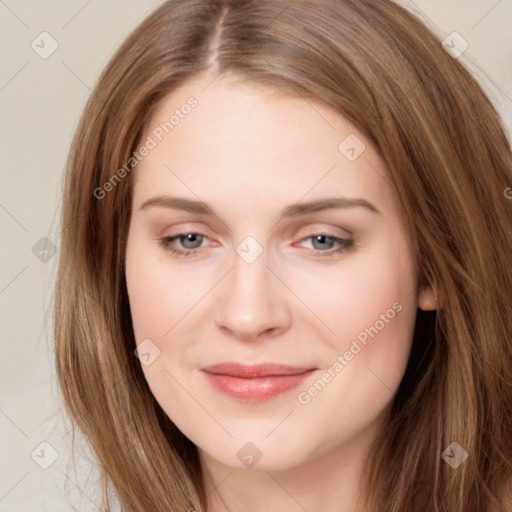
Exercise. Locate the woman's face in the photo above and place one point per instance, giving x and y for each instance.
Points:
(264, 232)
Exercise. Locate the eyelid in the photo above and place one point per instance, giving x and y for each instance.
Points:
(183, 228)
(323, 229)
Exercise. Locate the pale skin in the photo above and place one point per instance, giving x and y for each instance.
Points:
(248, 153)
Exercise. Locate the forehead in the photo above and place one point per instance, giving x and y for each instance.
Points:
(228, 138)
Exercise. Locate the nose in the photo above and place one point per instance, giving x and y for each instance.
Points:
(252, 302)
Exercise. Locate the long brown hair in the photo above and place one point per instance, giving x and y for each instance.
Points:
(450, 163)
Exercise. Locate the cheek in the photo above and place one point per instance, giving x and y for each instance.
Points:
(372, 310)
(371, 306)
(370, 296)
(384, 302)
(160, 295)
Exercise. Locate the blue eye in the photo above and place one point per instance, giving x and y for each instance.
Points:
(186, 244)
(189, 243)
(326, 245)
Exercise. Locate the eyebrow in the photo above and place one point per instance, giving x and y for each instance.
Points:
(293, 210)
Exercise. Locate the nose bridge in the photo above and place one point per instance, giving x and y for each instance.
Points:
(251, 301)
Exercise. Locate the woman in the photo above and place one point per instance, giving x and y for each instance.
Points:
(284, 279)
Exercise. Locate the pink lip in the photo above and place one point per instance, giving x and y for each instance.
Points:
(255, 383)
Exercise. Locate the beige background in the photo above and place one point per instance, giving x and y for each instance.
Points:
(40, 103)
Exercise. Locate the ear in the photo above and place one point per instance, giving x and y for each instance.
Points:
(427, 299)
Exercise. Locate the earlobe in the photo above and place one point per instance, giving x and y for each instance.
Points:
(427, 299)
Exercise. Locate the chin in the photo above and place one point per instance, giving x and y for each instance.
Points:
(259, 455)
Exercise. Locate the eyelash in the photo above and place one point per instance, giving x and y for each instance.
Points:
(345, 245)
